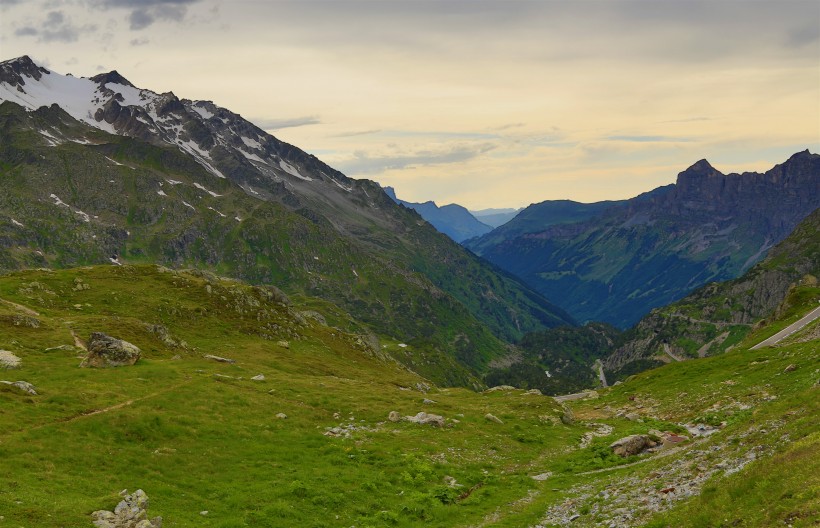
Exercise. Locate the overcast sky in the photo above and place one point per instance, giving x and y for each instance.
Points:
(483, 103)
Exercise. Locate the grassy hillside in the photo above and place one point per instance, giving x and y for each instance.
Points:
(199, 435)
(75, 196)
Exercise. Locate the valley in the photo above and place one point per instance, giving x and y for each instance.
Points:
(193, 308)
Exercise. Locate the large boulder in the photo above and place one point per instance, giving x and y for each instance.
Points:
(632, 445)
(106, 351)
(8, 360)
(426, 419)
(131, 512)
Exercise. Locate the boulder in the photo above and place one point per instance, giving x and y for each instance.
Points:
(131, 512)
(394, 416)
(500, 388)
(492, 418)
(424, 419)
(8, 360)
(632, 445)
(219, 359)
(259, 377)
(106, 351)
(22, 387)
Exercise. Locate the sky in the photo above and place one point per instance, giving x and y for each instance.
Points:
(496, 103)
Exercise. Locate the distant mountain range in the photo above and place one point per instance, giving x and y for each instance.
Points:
(615, 261)
(453, 220)
(95, 170)
(496, 217)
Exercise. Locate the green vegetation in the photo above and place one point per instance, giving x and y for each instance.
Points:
(200, 435)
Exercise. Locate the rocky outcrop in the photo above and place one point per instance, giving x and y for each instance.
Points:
(8, 360)
(21, 387)
(632, 445)
(131, 512)
(424, 418)
(106, 351)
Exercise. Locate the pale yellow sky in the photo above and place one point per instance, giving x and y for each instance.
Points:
(482, 103)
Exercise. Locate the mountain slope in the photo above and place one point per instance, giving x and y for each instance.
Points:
(717, 316)
(495, 217)
(188, 183)
(453, 220)
(655, 248)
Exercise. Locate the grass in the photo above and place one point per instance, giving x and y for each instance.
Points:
(199, 435)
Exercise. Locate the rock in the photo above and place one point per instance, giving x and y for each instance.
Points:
(21, 386)
(534, 392)
(633, 417)
(281, 416)
(632, 445)
(567, 418)
(790, 368)
(131, 512)
(492, 418)
(423, 387)
(8, 360)
(394, 416)
(501, 388)
(542, 477)
(451, 482)
(283, 344)
(203, 512)
(220, 359)
(106, 351)
(592, 395)
(259, 377)
(424, 419)
(428, 401)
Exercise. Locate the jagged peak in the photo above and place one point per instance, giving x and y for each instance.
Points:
(113, 77)
(13, 70)
(803, 154)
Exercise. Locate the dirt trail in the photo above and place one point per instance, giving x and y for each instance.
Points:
(669, 353)
(110, 408)
(26, 310)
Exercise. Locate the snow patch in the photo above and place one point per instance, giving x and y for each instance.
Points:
(217, 212)
(203, 112)
(237, 218)
(186, 204)
(173, 182)
(15, 222)
(201, 188)
(161, 193)
(251, 143)
(114, 162)
(290, 169)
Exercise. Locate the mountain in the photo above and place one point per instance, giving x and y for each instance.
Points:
(495, 217)
(717, 316)
(453, 220)
(629, 257)
(99, 171)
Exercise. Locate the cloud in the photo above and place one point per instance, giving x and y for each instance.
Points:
(648, 139)
(357, 133)
(145, 13)
(364, 163)
(56, 27)
(278, 124)
(25, 31)
(139, 42)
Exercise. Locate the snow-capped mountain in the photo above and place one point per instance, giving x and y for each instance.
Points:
(223, 142)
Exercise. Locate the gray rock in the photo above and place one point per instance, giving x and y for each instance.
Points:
(106, 351)
(492, 418)
(500, 388)
(427, 401)
(219, 359)
(131, 512)
(394, 416)
(259, 377)
(632, 445)
(633, 417)
(426, 419)
(22, 387)
(281, 416)
(9, 360)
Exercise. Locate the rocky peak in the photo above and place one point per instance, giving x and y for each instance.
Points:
(113, 77)
(12, 71)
